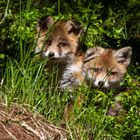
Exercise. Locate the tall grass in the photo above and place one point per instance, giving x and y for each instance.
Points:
(25, 82)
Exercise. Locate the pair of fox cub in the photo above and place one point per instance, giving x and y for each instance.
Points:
(58, 41)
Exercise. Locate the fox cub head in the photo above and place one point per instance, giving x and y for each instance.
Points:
(106, 67)
(58, 40)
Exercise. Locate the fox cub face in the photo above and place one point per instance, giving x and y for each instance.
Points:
(106, 67)
(58, 40)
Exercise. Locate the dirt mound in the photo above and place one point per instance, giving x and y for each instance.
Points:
(17, 123)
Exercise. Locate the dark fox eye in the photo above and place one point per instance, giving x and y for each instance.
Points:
(113, 73)
(62, 44)
(121, 61)
(95, 69)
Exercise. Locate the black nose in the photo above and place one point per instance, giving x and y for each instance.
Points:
(51, 54)
(101, 83)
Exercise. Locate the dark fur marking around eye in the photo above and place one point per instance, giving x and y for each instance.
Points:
(48, 42)
(96, 69)
(63, 42)
(113, 73)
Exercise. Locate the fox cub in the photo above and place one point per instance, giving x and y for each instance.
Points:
(98, 67)
(58, 42)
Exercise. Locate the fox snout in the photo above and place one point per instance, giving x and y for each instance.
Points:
(107, 81)
(101, 83)
(51, 54)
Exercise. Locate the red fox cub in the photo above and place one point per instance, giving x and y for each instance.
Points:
(106, 67)
(58, 41)
(99, 67)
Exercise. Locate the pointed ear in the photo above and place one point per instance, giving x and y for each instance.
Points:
(123, 55)
(74, 27)
(44, 23)
(91, 53)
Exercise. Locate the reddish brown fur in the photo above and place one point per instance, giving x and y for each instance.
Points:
(106, 61)
(59, 42)
(59, 34)
(101, 64)
(107, 66)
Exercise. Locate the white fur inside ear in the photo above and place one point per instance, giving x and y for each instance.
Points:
(72, 27)
(49, 21)
(123, 55)
(38, 29)
(69, 25)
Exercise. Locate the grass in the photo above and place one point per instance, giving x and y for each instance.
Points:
(25, 83)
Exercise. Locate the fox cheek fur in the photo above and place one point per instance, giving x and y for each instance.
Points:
(58, 39)
(106, 67)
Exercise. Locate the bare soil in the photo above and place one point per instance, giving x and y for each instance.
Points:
(17, 123)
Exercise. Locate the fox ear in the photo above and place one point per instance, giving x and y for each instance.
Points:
(74, 27)
(44, 23)
(91, 53)
(123, 55)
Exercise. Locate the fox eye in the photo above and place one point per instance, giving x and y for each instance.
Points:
(95, 69)
(62, 44)
(113, 73)
(121, 62)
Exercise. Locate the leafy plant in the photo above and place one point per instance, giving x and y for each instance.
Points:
(22, 73)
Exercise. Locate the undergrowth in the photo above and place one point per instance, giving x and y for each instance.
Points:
(23, 79)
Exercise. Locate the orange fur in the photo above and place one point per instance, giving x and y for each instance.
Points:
(60, 39)
(107, 66)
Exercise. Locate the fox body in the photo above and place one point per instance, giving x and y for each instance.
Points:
(72, 76)
(58, 42)
(99, 67)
